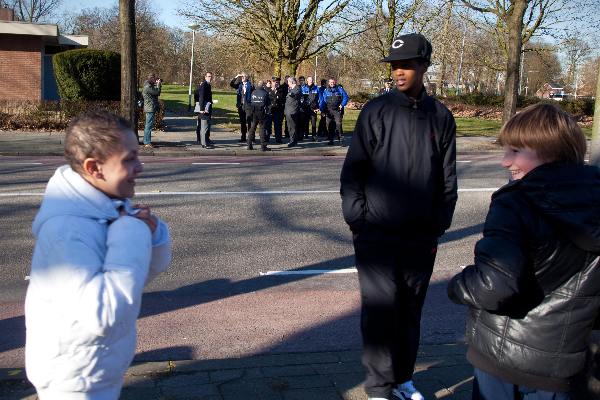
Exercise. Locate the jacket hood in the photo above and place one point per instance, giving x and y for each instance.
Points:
(568, 195)
(67, 193)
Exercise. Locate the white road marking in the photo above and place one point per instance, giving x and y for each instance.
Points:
(478, 190)
(463, 161)
(216, 163)
(240, 193)
(22, 163)
(311, 272)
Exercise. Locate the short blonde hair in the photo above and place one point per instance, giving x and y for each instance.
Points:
(548, 130)
(96, 134)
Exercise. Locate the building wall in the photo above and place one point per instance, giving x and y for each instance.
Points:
(20, 67)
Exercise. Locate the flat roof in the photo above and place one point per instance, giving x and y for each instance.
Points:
(48, 31)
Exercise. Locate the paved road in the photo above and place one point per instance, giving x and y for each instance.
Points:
(233, 220)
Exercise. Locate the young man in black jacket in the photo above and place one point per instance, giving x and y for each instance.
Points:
(399, 190)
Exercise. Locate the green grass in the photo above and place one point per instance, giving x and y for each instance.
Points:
(477, 127)
(226, 116)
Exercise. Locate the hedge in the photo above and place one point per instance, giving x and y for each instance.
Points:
(87, 74)
(577, 107)
(55, 115)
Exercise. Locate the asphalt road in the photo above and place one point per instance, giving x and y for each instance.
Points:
(238, 224)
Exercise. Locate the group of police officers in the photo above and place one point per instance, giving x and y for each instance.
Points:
(289, 108)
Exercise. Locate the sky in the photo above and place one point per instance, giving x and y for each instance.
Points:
(166, 8)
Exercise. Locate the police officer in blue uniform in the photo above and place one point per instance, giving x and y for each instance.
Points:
(311, 95)
(332, 103)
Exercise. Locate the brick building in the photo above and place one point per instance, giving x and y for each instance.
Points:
(26, 51)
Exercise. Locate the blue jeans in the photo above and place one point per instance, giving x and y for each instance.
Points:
(148, 127)
(488, 387)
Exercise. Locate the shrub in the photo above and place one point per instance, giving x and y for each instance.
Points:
(55, 115)
(87, 74)
(579, 106)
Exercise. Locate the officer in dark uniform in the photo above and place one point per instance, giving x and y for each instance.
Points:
(387, 86)
(259, 104)
(302, 115)
(333, 101)
(277, 97)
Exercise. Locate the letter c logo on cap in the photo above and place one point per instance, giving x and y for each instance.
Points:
(397, 44)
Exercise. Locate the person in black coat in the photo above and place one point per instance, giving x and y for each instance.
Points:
(292, 111)
(534, 290)
(203, 96)
(399, 190)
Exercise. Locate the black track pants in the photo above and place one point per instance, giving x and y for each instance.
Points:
(394, 277)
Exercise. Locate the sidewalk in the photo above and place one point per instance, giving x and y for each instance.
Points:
(442, 372)
(179, 140)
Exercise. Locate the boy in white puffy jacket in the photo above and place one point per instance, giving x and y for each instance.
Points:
(94, 253)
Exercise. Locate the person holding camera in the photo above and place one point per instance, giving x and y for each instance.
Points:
(150, 93)
(243, 88)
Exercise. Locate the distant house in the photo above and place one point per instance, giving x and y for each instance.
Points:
(26, 51)
(551, 90)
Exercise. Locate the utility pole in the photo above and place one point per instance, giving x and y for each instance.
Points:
(595, 152)
(128, 62)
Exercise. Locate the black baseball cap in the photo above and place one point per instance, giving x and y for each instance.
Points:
(405, 47)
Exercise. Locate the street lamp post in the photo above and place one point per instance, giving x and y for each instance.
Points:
(193, 27)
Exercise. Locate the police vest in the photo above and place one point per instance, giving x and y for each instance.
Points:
(333, 99)
(258, 98)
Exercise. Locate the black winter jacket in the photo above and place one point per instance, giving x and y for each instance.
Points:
(534, 290)
(399, 175)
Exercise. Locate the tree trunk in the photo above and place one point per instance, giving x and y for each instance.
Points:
(444, 50)
(595, 151)
(128, 62)
(515, 44)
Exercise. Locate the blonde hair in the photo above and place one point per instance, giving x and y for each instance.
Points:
(548, 130)
(96, 134)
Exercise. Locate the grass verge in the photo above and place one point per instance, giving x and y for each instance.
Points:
(226, 116)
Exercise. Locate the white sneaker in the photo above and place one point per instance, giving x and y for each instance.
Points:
(407, 391)
(377, 398)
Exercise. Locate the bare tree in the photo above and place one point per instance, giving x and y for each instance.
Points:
(388, 20)
(33, 10)
(514, 23)
(285, 31)
(576, 51)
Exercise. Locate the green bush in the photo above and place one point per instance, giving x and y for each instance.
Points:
(578, 106)
(87, 74)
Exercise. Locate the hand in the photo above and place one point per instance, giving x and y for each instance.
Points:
(146, 216)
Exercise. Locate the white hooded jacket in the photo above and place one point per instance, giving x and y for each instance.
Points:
(88, 272)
